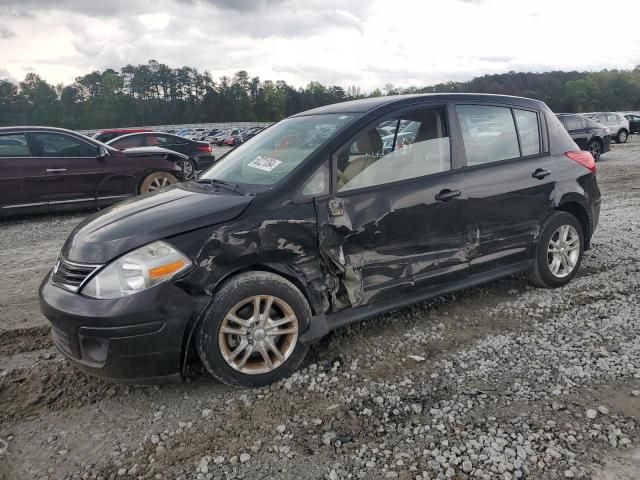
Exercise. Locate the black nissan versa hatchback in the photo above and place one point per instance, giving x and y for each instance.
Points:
(328, 217)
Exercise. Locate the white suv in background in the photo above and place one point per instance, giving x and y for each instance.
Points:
(616, 122)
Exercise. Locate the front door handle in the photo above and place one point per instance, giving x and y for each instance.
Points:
(336, 207)
(540, 173)
(447, 194)
(56, 170)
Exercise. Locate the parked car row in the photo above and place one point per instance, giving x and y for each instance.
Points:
(219, 136)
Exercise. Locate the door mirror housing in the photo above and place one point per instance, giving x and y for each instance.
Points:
(102, 152)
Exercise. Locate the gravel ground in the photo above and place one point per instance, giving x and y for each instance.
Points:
(502, 381)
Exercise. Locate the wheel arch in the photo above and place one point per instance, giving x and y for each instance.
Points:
(578, 210)
(284, 271)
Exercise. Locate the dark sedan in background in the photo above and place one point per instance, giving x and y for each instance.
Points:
(198, 152)
(109, 134)
(587, 134)
(634, 123)
(44, 168)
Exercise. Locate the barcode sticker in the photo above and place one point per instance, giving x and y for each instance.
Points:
(264, 163)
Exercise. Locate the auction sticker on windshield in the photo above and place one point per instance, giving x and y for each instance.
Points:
(264, 163)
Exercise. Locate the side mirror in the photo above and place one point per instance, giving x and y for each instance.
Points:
(102, 152)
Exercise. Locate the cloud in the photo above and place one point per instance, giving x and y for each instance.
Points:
(325, 75)
(364, 42)
(496, 58)
(6, 33)
(5, 75)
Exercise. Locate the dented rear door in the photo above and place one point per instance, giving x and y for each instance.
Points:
(509, 182)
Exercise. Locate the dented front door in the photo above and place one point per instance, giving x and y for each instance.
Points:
(383, 242)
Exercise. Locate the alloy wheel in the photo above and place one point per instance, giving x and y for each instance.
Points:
(258, 334)
(595, 149)
(187, 169)
(563, 251)
(622, 137)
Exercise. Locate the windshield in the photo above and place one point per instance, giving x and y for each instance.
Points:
(270, 156)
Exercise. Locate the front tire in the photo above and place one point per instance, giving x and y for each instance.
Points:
(156, 180)
(595, 148)
(559, 251)
(250, 333)
(622, 136)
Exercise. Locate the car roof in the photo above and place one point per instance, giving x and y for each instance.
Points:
(22, 128)
(150, 132)
(368, 104)
(120, 130)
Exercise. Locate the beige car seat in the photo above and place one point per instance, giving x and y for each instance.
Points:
(370, 144)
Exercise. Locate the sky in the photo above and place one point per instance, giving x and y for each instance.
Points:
(368, 43)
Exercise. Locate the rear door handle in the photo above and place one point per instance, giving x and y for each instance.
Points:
(540, 173)
(56, 170)
(447, 194)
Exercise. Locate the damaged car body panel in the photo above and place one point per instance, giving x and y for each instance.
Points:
(361, 207)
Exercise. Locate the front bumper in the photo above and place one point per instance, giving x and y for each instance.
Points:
(135, 339)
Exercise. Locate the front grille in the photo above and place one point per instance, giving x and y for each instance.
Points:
(72, 276)
(61, 340)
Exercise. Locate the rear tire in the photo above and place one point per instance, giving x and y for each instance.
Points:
(243, 348)
(559, 251)
(188, 169)
(622, 136)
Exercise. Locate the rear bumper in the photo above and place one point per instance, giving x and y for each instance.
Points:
(204, 161)
(134, 339)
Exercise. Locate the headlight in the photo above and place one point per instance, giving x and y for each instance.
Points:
(137, 270)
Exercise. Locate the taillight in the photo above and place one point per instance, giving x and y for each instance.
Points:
(204, 148)
(584, 158)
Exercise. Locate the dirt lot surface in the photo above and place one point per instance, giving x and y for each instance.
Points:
(502, 381)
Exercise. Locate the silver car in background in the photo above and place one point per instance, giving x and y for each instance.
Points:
(616, 122)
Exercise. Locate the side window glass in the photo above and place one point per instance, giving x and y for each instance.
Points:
(573, 123)
(59, 145)
(155, 140)
(488, 132)
(130, 142)
(412, 146)
(318, 183)
(528, 131)
(14, 145)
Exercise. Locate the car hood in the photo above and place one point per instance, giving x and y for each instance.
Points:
(136, 222)
(141, 151)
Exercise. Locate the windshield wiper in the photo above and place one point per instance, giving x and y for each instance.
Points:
(228, 186)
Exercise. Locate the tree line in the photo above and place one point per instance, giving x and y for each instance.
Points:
(156, 94)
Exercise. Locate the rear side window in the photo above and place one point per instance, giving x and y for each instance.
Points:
(14, 145)
(489, 133)
(129, 142)
(529, 131)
